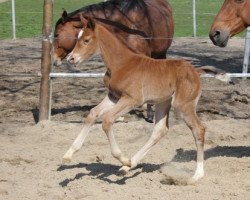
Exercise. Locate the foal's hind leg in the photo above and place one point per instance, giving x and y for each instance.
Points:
(189, 115)
(94, 114)
(160, 129)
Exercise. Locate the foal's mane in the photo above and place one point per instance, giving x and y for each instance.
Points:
(124, 6)
(113, 24)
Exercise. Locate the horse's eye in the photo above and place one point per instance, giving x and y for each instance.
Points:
(85, 42)
(239, 1)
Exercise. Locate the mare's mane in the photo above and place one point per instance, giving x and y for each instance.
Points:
(122, 27)
(124, 6)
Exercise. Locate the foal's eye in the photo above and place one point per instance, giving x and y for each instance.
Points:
(239, 1)
(85, 42)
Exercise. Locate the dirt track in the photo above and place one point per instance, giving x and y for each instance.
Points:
(30, 153)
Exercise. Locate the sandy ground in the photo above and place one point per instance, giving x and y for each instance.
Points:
(31, 152)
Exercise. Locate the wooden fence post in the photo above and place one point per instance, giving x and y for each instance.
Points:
(46, 60)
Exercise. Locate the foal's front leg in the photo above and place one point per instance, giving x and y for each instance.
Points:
(124, 105)
(94, 114)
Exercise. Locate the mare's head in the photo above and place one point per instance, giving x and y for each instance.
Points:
(66, 31)
(233, 17)
(86, 44)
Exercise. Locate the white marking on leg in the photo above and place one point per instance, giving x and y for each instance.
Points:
(77, 144)
(158, 133)
(95, 113)
(199, 173)
(160, 129)
(124, 105)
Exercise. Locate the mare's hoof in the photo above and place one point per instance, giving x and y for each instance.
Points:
(150, 119)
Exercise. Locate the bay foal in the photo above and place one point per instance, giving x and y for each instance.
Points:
(132, 80)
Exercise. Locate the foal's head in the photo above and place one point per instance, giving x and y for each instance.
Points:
(86, 44)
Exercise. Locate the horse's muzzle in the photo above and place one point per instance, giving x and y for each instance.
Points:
(219, 38)
(57, 63)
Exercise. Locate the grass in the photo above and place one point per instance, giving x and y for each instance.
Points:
(183, 17)
(29, 16)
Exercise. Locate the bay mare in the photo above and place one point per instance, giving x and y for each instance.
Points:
(152, 19)
(138, 19)
(132, 80)
(233, 18)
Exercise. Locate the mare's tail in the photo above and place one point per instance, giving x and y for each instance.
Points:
(217, 73)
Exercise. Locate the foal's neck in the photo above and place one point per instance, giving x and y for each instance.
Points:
(115, 54)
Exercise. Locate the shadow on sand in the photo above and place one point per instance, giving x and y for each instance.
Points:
(224, 151)
(102, 172)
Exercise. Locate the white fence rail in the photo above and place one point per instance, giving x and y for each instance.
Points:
(14, 18)
(247, 52)
(244, 73)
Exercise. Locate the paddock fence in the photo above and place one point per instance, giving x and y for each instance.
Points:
(47, 37)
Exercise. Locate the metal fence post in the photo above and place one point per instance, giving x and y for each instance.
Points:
(194, 19)
(45, 86)
(13, 15)
(247, 52)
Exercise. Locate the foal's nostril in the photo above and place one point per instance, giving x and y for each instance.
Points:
(55, 63)
(71, 60)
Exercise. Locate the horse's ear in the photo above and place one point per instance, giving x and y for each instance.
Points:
(64, 15)
(84, 21)
(91, 23)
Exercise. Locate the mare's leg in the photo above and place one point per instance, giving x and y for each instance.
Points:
(96, 112)
(150, 112)
(124, 105)
(188, 112)
(160, 129)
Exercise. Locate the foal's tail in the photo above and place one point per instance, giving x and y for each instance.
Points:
(217, 73)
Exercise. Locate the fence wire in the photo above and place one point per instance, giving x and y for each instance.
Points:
(29, 16)
(29, 20)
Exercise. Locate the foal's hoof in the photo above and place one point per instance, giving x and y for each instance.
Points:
(123, 171)
(194, 179)
(66, 160)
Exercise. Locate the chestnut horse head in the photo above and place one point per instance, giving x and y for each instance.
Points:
(154, 18)
(67, 29)
(87, 43)
(233, 17)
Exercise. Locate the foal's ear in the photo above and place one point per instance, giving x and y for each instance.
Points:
(87, 22)
(84, 21)
(91, 23)
(64, 15)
